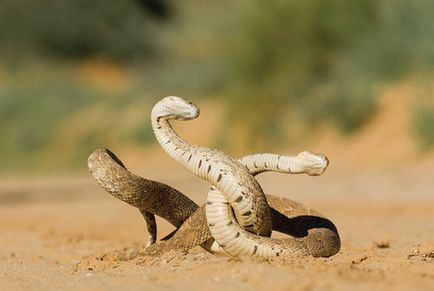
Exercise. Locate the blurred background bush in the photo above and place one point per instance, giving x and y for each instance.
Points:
(76, 75)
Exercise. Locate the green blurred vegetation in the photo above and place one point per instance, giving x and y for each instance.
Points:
(75, 29)
(424, 126)
(35, 104)
(278, 66)
(321, 61)
(43, 96)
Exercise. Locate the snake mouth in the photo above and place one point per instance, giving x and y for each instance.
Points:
(194, 113)
(191, 113)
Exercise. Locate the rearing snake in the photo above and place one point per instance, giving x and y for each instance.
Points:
(238, 214)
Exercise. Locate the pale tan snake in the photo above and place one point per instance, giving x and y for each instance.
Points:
(313, 234)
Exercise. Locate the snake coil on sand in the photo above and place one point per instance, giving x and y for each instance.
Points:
(238, 215)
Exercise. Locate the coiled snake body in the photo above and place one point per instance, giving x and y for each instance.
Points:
(238, 216)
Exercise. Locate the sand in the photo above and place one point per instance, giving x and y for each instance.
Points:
(69, 234)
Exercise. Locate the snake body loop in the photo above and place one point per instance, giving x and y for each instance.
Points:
(230, 236)
(228, 176)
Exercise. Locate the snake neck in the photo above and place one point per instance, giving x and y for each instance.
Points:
(147, 195)
(170, 141)
(224, 173)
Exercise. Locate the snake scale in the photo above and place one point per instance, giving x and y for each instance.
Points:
(238, 217)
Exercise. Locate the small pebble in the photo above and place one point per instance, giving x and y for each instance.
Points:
(383, 244)
(359, 260)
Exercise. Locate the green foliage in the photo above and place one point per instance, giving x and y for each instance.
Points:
(322, 60)
(299, 39)
(30, 110)
(120, 29)
(51, 120)
(142, 134)
(423, 124)
(278, 64)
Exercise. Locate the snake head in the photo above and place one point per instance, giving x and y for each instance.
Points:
(173, 107)
(315, 164)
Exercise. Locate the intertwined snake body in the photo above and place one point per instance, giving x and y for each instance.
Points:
(227, 176)
(238, 216)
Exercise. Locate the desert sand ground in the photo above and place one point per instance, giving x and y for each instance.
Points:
(70, 234)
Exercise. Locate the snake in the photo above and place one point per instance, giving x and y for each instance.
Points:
(235, 192)
(232, 198)
(314, 233)
(241, 190)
